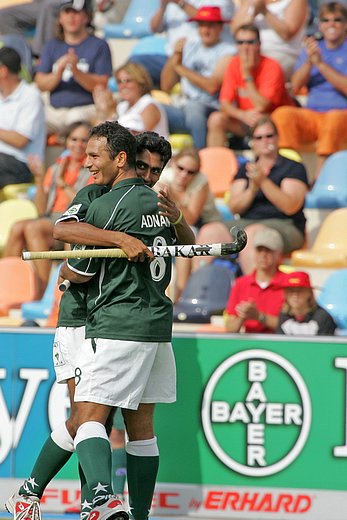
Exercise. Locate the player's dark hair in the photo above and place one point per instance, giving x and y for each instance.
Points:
(154, 143)
(118, 138)
(10, 59)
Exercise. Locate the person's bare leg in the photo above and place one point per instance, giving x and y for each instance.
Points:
(218, 125)
(183, 267)
(16, 241)
(39, 237)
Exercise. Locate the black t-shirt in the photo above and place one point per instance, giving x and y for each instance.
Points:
(316, 323)
(261, 207)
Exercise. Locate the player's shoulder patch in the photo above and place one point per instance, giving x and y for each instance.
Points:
(72, 210)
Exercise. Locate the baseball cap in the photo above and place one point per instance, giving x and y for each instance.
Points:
(269, 238)
(297, 279)
(76, 5)
(208, 14)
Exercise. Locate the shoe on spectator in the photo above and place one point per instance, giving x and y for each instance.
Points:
(113, 509)
(24, 507)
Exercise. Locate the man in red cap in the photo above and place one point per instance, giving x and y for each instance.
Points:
(301, 315)
(199, 65)
(256, 299)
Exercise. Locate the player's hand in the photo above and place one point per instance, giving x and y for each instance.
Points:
(136, 250)
(167, 206)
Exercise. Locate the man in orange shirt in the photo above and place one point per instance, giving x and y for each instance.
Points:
(253, 85)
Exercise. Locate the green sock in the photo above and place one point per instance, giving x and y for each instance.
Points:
(94, 455)
(50, 460)
(119, 470)
(142, 474)
(86, 495)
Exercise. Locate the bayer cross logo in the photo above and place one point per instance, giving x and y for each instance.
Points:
(256, 413)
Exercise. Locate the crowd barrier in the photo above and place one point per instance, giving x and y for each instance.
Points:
(259, 429)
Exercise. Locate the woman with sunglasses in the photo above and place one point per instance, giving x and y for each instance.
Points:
(55, 189)
(136, 109)
(269, 191)
(188, 188)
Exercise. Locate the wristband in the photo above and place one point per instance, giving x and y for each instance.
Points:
(262, 318)
(180, 216)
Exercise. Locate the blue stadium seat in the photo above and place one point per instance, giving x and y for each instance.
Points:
(136, 21)
(152, 44)
(40, 309)
(330, 189)
(333, 298)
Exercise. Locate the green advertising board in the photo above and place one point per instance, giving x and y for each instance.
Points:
(258, 430)
(256, 414)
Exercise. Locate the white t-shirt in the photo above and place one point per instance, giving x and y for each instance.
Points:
(23, 112)
(130, 117)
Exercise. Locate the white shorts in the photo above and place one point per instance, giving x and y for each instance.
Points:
(125, 373)
(67, 342)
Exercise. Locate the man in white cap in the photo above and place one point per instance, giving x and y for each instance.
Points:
(256, 299)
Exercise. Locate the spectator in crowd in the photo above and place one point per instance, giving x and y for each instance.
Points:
(199, 65)
(281, 24)
(322, 68)
(40, 15)
(172, 17)
(269, 191)
(137, 110)
(301, 315)
(54, 192)
(256, 299)
(71, 66)
(188, 188)
(22, 121)
(253, 85)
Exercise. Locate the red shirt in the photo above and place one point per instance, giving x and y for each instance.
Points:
(269, 81)
(268, 300)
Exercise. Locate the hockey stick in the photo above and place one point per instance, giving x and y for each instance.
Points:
(185, 251)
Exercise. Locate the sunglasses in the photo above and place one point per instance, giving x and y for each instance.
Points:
(247, 42)
(183, 169)
(265, 136)
(335, 20)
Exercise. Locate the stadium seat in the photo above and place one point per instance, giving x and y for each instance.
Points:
(152, 44)
(12, 211)
(290, 154)
(330, 189)
(136, 21)
(41, 309)
(17, 283)
(220, 165)
(180, 141)
(15, 191)
(329, 249)
(333, 298)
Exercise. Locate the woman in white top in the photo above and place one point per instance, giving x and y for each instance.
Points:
(188, 188)
(281, 24)
(136, 109)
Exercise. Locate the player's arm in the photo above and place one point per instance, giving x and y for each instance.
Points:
(66, 273)
(83, 233)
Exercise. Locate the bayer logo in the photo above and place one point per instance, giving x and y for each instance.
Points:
(256, 413)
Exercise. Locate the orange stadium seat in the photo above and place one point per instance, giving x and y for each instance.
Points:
(17, 283)
(220, 165)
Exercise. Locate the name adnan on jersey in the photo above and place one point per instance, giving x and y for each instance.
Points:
(150, 221)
